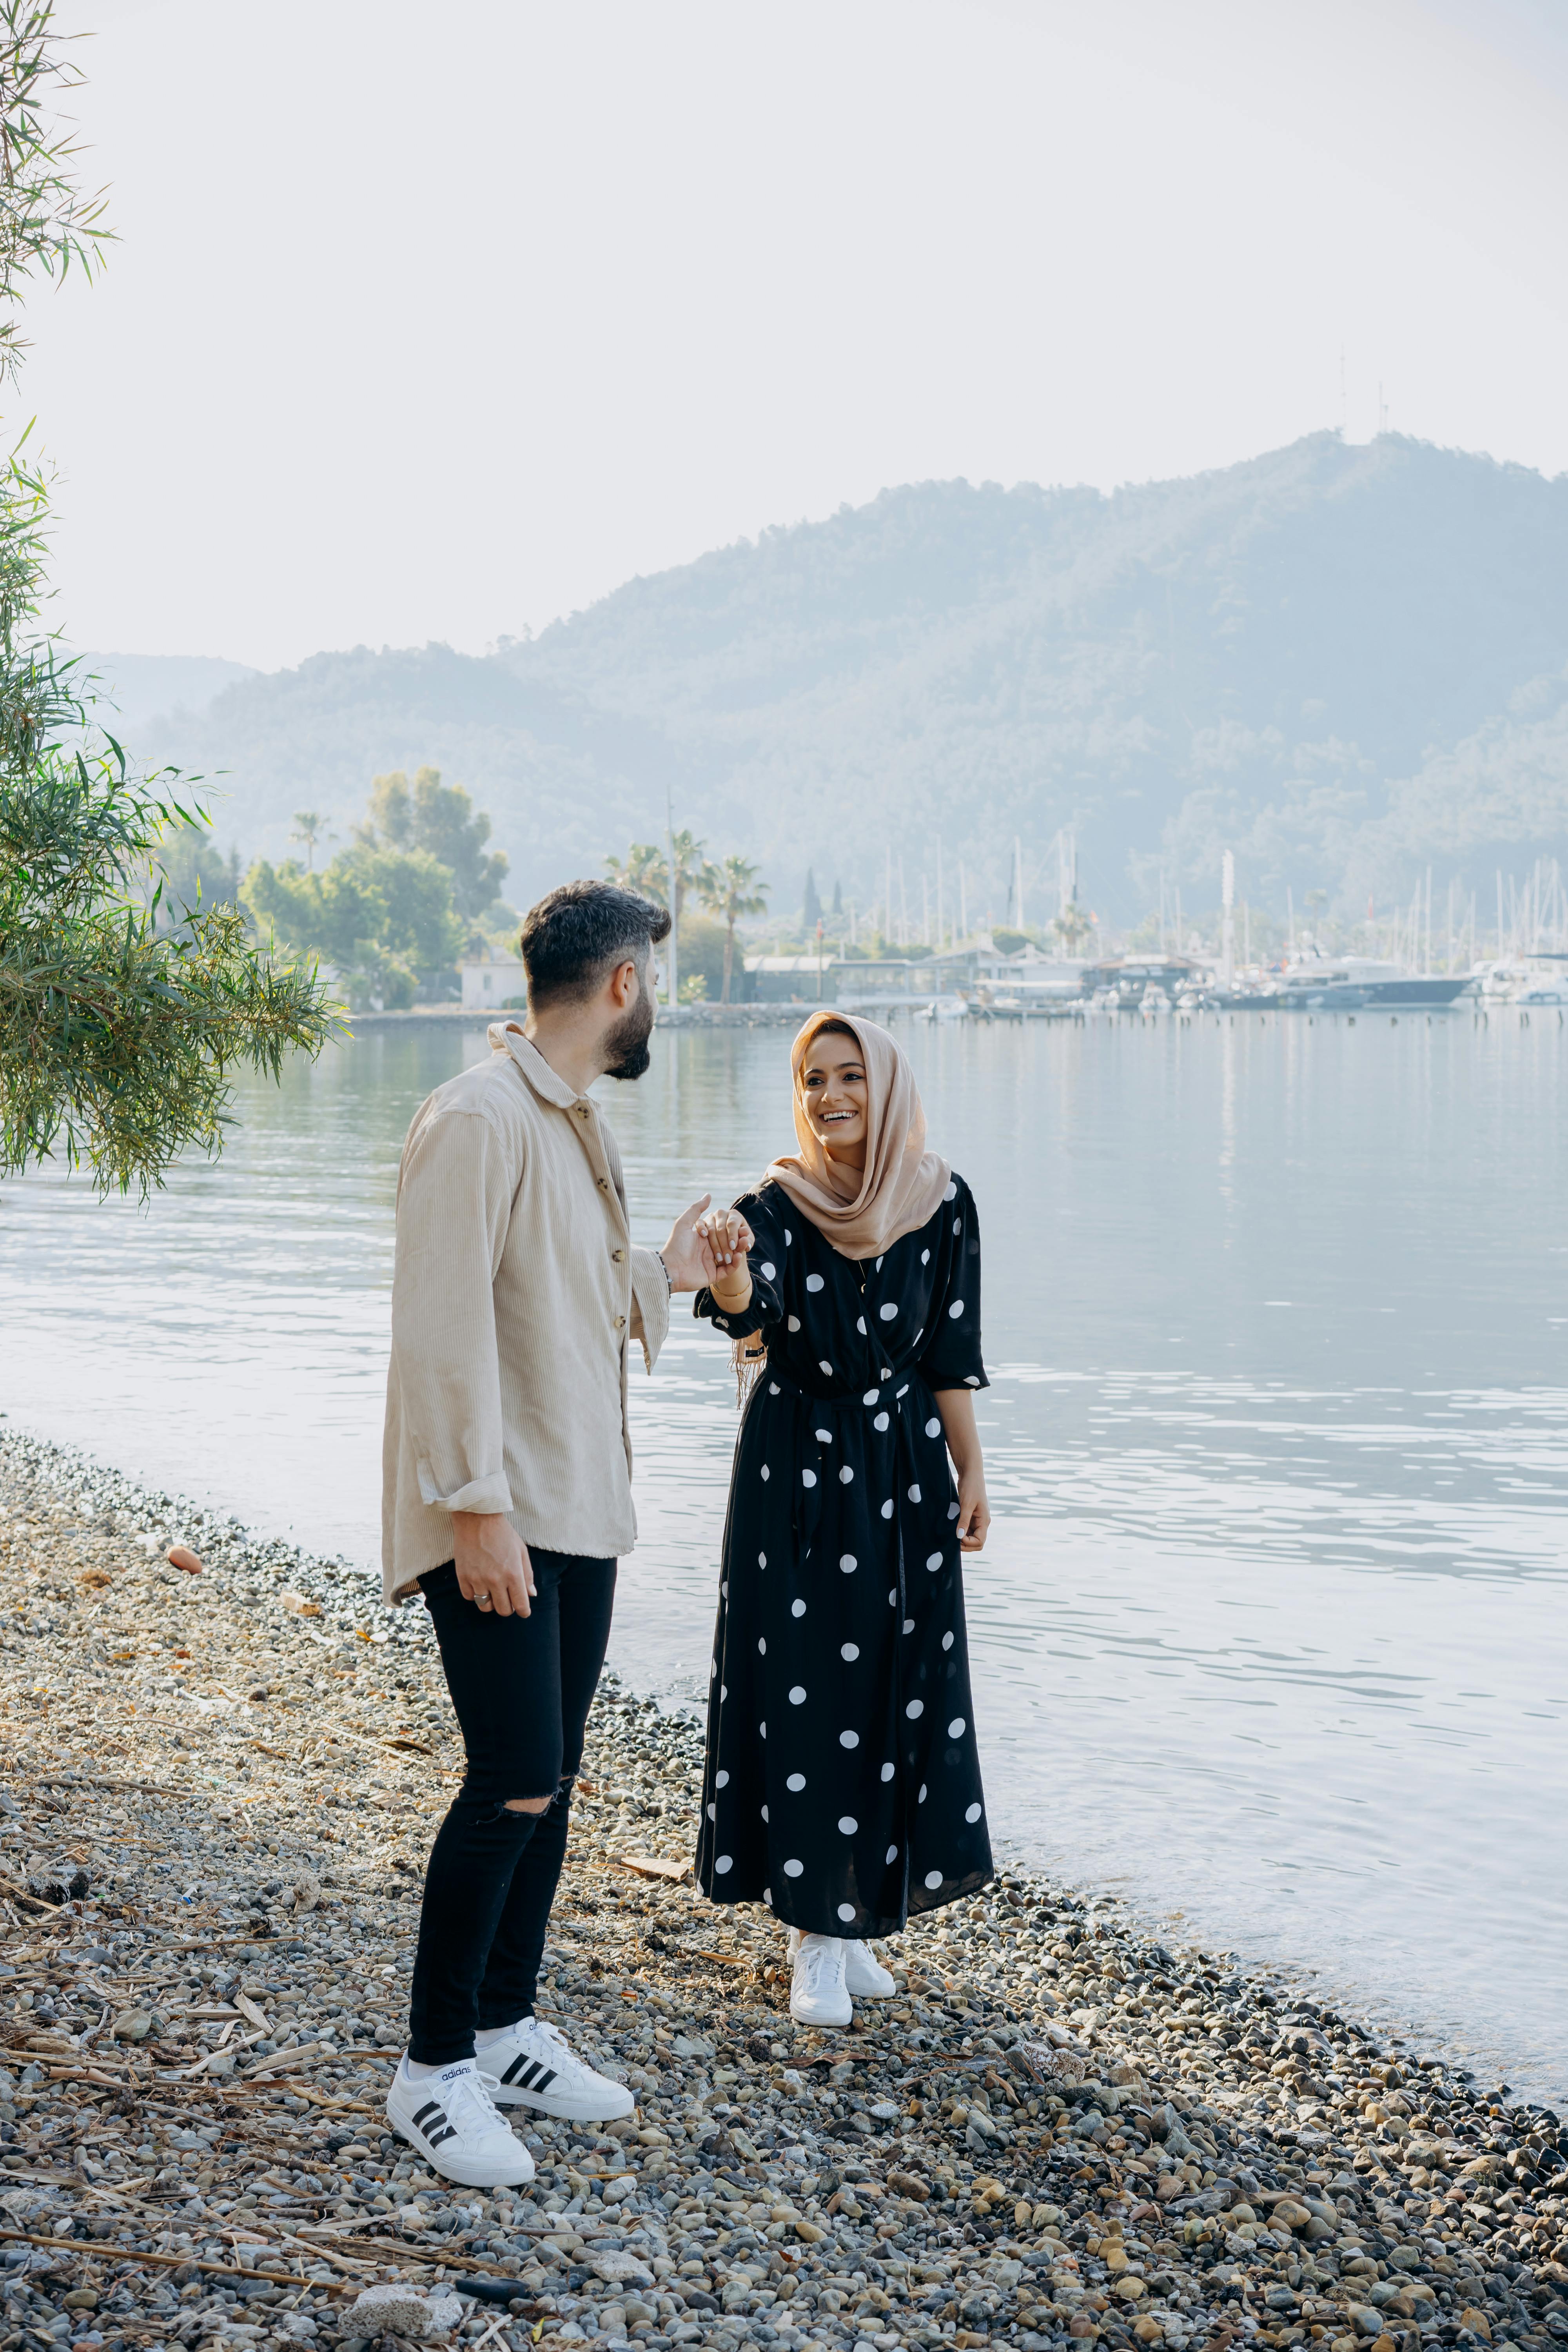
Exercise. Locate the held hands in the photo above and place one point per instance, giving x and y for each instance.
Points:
(493, 1568)
(728, 1239)
(689, 1255)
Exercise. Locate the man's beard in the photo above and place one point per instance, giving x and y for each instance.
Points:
(626, 1043)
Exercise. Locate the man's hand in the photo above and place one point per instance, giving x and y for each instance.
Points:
(688, 1254)
(728, 1239)
(493, 1567)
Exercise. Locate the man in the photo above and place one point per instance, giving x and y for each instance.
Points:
(507, 1496)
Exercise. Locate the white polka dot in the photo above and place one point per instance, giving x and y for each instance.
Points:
(887, 1312)
(808, 1477)
(922, 1797)
(869, 1397)
(848, 1824)
(849, 1740)
(956, 1727)
(887, 1508)
(848, 1562)
(762, 1731)
(846, 1475)
(893, 1853)
(933, 1878)
(719, 1319)
(762, 1645)
(773, 1389)
(762, 1559)
(972, 1380)
(712, 1812)
(915, 1709)
(713, 1671)
(955, 1311)
(915, 1491)
(721, 1779)
(797, 1693)
(952, 1510)
(793, 1869)
(925, 1258)
(846, 1912)
(769, 1269)
(860, 1325)
(951, 1194)
(813, 1282)
(796, 1782)
(721, 1864)
(958, 1225)
(971, 1813)
(766, 1472)
(881, 1421)
(764, 1813)
(886, 1771)
(789, 1238)
(933, 1560)
(933, 1426)
(825, 1368)
(723, 1692)
(824, 1436)
(947, 1639)
(793, 1322)
(849, 1651)
(767, 1894)
(724, 1588)
(908, 1624)
(797, 1608)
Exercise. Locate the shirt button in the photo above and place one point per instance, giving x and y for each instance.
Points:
(619, 1256)
(620, 1322)
(582, 1110)
(604, 1183)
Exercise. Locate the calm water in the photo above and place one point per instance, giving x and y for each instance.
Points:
(1270, 1638)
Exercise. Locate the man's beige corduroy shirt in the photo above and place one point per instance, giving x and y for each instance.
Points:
(515, 1292)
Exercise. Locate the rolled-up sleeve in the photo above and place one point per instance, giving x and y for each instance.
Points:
(454, 1202)
(650, 1303)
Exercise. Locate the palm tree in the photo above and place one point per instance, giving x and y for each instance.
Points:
(642, 870)
(309, 828)
(726, 890)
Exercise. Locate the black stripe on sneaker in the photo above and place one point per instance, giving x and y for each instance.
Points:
(519, 2063)
(447, 2131)
(544, 2080)
(431, 2107)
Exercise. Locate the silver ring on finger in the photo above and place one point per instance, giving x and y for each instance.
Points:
(482, 1599)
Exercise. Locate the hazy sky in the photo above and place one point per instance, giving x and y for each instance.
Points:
(439, 325)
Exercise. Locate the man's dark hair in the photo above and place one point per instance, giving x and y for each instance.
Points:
(576, 935)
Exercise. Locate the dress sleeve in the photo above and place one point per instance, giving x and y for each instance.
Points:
(951, 1359)
(767, 1274)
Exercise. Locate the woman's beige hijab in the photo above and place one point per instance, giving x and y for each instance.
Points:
(863, 1212)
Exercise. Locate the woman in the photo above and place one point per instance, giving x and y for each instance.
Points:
(843, 1784)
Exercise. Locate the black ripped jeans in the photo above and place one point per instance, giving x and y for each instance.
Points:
(521, 1687)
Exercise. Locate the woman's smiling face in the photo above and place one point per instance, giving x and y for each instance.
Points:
(833, 1091)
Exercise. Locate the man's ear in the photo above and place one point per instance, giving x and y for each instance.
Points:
(624, 984)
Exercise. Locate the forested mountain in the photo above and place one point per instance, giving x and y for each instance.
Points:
(1343, 662)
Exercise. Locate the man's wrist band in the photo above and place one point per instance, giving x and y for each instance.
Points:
(668, 1277)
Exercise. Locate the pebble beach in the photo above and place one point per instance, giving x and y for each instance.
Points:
(219, 1775)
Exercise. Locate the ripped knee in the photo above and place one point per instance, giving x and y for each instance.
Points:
(529, 1804)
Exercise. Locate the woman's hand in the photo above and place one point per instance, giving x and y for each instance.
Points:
(727, 1240)
(973, 1510)
(956, 1407)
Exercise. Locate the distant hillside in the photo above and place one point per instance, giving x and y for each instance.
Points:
(1341, 662)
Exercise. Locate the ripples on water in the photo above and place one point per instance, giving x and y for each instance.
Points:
(1270, 1634)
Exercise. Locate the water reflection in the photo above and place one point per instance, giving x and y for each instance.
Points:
(1270, 1632)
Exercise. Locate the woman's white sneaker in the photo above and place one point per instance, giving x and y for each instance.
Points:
(864, 1974)
(865, 1978)
(818, 1993)
(451, 2118)
(535, 2068)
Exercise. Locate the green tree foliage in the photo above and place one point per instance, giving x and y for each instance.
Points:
(119, 1028)
(384, 918)
(442, 820)
(730, 890)
(645, 869)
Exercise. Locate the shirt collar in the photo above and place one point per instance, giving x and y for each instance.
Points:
(507, 1038)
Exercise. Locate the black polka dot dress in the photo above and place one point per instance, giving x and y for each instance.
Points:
(842, 1786)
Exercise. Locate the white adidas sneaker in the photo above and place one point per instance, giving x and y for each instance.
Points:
(452, 2119)
(865, 1978)
(819, 1994)
(864, 1974)
(533, 2067)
